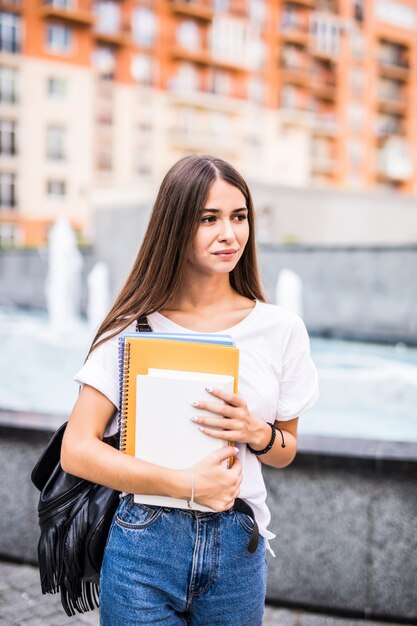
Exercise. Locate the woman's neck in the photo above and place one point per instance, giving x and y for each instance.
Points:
(203, 294)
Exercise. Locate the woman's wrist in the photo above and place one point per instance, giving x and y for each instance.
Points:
(262, 436)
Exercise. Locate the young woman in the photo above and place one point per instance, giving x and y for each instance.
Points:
(196, 271)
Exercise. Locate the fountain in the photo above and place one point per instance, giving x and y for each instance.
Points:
(98, 295)
(63, 283)
(289, 291)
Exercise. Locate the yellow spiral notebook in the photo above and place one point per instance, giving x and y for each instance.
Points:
(138, 352)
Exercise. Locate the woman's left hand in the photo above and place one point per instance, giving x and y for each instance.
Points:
(232, 421)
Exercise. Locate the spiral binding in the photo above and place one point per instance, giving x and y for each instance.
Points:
(124, 363)
(124, 369)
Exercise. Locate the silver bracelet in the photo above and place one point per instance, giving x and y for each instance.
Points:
(191, 501)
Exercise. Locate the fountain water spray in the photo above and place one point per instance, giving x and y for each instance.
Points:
(289, 291)
(98, 295)
(63, 283)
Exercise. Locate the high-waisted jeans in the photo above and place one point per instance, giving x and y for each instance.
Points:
(174, 566)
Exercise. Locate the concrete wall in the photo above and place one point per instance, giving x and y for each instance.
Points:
(326, 217)
(358, 292)
(344, 515)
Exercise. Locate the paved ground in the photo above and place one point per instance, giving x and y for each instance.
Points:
(22, 604)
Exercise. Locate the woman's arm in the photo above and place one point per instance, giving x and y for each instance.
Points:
(85, 454)
(278, 456)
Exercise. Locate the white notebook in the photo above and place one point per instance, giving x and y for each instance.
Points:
(165, 434)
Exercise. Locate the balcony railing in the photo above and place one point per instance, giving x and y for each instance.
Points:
(64, 11)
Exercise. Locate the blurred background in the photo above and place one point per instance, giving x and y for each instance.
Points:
(315, 103)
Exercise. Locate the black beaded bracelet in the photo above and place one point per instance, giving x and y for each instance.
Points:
(271, 441)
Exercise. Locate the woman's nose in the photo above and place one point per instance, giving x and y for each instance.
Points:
(226, 231)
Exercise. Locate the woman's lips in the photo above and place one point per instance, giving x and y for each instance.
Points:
(226, 254)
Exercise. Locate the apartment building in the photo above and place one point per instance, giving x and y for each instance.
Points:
(106, 95)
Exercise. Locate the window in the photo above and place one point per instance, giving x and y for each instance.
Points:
(144, 167)
(144, 26)
(104, 158)
(9, 234)
(59, 4)
(55, 143)
(8, 143)
(58, 38)
(187, 78)
(356, 81)
(355, 153)
(256, 90)
(229, 40)
(221, 83)
(10, 32)
(104, 61)
(356, 116)
(107, 16)
(57, 87)
(257, 11)
(325, 33)
(7, 190)
(56, 188)
(8, 84)
(396, 14)
(221, 5)
(188, 35)
(143, 69)
(104, 109)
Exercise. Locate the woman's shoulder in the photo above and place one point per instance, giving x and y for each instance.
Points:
(281, 317)
(109, 342)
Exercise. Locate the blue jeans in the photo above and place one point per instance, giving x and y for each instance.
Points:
(174, 566)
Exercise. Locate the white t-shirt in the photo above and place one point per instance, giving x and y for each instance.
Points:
(277, 379)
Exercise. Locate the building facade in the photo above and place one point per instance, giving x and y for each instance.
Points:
(108, 94)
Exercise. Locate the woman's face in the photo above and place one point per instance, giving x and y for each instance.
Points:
(223, 230)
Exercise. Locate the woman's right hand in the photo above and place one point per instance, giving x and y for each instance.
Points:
(216, 486)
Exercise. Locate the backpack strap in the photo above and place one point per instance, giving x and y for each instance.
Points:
(142, 325)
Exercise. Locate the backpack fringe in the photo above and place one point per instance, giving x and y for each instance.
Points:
(50, 553)
(74, 552)
(88, 600)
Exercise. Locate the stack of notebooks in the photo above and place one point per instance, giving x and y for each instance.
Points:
(161, 374)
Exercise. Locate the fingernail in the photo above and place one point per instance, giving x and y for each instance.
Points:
(209, 389)
(236, 449)
(195, 403)
(194, 418)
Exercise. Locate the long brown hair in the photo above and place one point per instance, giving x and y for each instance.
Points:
(161, 261)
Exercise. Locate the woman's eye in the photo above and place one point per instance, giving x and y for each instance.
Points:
(212, 218)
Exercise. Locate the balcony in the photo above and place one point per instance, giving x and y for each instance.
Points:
(324, 91)
(294, 35)
(393, 71)
(325, 126)
(115, 39)
(310, 4)
(204, 57)
(198, 10)
(324, 165)
(389, 104)
(13, 6)
(204, 142)
(295, 75)
(78, 17)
